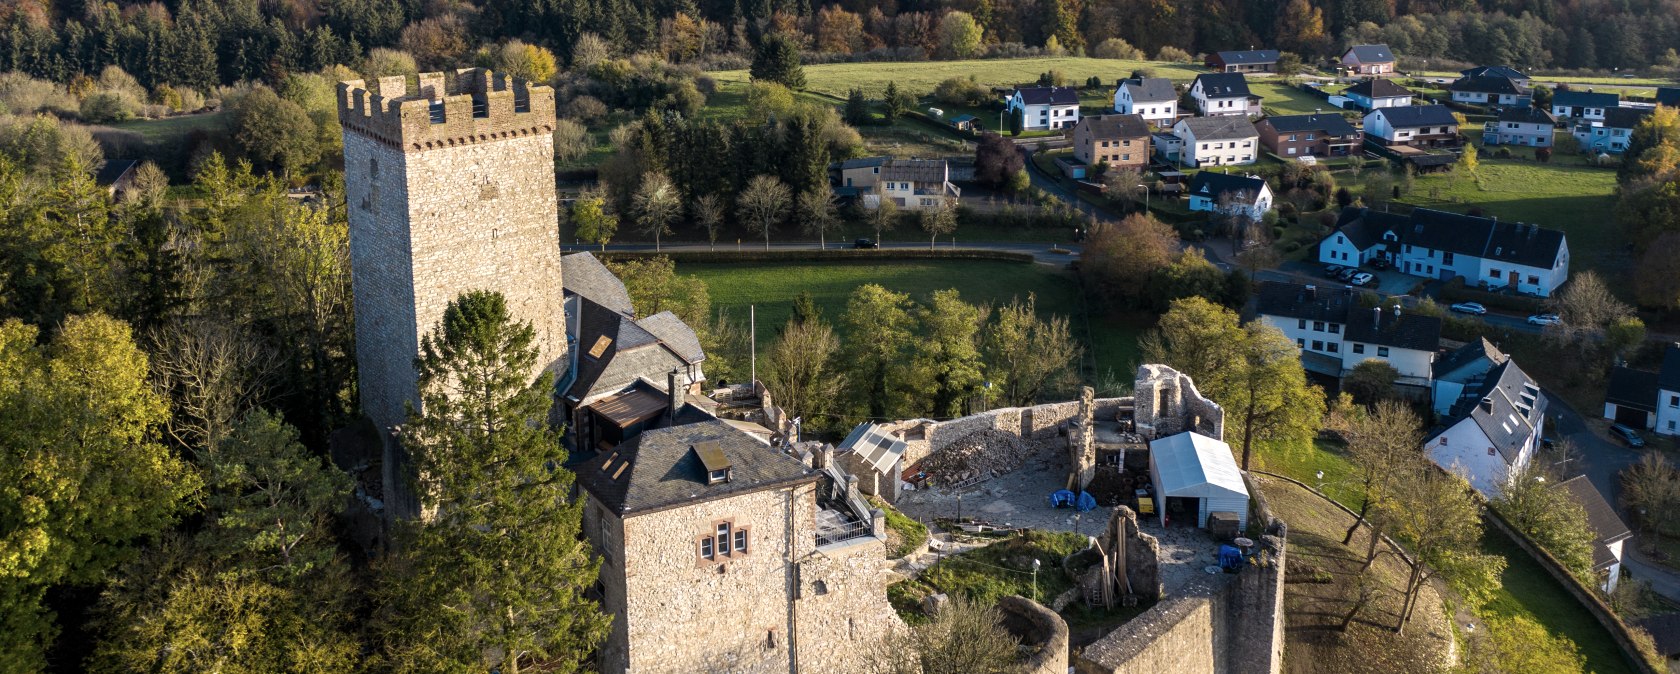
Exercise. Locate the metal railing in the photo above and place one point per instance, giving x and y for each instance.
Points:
(846, 532)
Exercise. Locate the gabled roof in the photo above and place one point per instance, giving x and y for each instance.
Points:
(1293, 300)
(1392, 327)
(1378, 87)
(1115, 126)
(1488, 84)
(603, 334)
(876, 445)
(1048, 95)
(1636, 389)
(1222, 85)
(1371, 53)
(1219, 128)
(1527, 245)
(1486, 238)
(1214, 185)
(1668, 378)
(1192, 464)
(863, 162)
(1332, 124)
(1625, 118)
(1409, 116)
(1669, 96)
(1606, 525)
(660, 468)
(1365, 228)
(1249, 58)
(1494, 71)
(114, 170)
(1506, 405)
(915, 170)
(1527, 116)
(675, 335)
(583, 275)
(1151, 89)
(1448, 367)
(1586, 99)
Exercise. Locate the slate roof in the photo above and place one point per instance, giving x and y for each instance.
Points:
(659, 469)
(1668, 378)
(1393, 328)
(1632, 388)
(675, 335)
(1625, 118)
(583, 275)
(1116, 126)
(1460, 357)
(1365, 228)
(1527, 116)
(1293, 300)
(1410, 116)
(1048, 95)
(1669, 96)
(1494, 71)
(1249, 58)
(1213, 185)
(1151, 89)
(863, 162)
(1513, 407)
(1371, 53)
(113, 171)
(1402, 330)
(1378, 87)
(1222, 85)
(1606, 525)
(1219, 128)
(1586, 99)
(1488, 84)
(1331, 124)
(915, 170)
(1487, 238)
(596, 322)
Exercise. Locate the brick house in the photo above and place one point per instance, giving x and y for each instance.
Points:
(1414, 125)
(1319, 135)
(1251, 61)
(1120, 140)
(1369, 59)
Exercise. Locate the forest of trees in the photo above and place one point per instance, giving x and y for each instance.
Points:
(198, 44)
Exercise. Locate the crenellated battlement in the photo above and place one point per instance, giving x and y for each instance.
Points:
(478, 106)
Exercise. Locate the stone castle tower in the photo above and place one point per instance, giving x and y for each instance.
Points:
(450, 188)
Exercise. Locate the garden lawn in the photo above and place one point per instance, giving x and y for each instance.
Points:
(1575, 198)
(171, 129)
(771, 287)
(1005, 568)
(1282, 99)
(920, 77)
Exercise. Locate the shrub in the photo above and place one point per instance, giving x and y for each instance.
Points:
(21, 94)
(586, 109)
(108, 107)
(571, 140)
(1173, 55)
(1116, 48)
(961, 91)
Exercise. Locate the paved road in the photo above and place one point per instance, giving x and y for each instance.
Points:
(1043, 253)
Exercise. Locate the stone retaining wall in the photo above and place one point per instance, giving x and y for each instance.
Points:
(1037, 626)
(1038, 422)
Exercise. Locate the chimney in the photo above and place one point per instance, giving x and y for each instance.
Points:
(674, 397)
(1486, 405)
(1312, 293)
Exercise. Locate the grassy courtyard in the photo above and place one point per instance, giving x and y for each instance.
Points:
(1282, 99)
(1563, 195)
(772, 287)
(921, 77)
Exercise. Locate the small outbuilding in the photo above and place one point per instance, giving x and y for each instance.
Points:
(1195, 475)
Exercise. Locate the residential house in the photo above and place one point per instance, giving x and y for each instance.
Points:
(1378, 92)
(1588, 105)
(1413, 125)
(1492, 430)
(1229, 194)
(913, 184)
(1485, 252)
(1507, 72)
(116, 176)
(1529, 127)
(1045, 108)
(1317, 135)
(1669, 96)
(1251, 61)
(859, 176)
(1651, 400)
(1120, 140)
(625, 372)
(1496, 90)
(1335, 334)
(1668, 393)
(1368, 59)
(1217, 141)
(1456, 368)
(1611, 135)
(1223, 94)
(1609, 531)
(1153, 98)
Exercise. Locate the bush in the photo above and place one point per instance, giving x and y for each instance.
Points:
(961, 91)
(571, 140)
(108, 107)
(21, 94)
(1174, 55)
(1116, 48)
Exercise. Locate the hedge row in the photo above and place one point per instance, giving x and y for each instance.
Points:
(1456, 291)
(835, 254)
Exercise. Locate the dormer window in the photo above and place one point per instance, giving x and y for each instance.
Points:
(718, 469)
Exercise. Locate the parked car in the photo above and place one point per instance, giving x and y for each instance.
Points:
(1629, 436)
(865, 243)
(1347, 274)
(1332, 270)
(1471, 308)
(1363, 278)
(1544, 319)
(1380, 263)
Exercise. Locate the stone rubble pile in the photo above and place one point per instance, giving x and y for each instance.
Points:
(980, 455)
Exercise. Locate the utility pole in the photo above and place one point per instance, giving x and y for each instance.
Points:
(1035, 579)
(752, 332)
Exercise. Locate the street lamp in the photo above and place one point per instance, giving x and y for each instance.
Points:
(1145, 197)
(1035, 579)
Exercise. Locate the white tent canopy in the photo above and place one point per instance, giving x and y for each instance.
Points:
(1192, 465)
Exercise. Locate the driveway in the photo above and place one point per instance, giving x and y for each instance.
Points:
(1053, 185)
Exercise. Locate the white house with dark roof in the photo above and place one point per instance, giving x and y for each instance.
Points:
(1456, 368)
(1490, 89)
(1045, 108)
(1152, 98)
(1611, 134)
(1506, 72)
(1368, 59)
(1644, 399)
(1217, 141)
(1378, 92)
(1438, 244)
(1414, 125)
(1529, 127)
(1335, 334)
(1223, 94)
(1588, 105)
(1493, 430)
(1608, 529)
(1228, 194)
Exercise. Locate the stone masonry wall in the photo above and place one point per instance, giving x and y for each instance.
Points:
(847, 616)
(1037, 627)
(1037, 422)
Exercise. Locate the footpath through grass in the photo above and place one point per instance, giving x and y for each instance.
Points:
(1525, 588)
(920, 77)
(772, 287)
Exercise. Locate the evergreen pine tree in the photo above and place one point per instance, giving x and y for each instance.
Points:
(777, 60)
(857, 108)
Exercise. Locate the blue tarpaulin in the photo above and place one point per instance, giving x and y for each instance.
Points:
(1061, 499)
(1230, 557)
(1087, 502)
